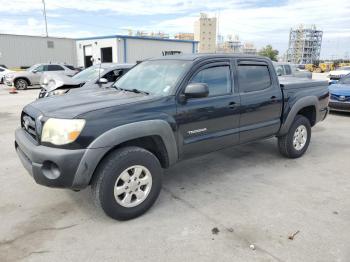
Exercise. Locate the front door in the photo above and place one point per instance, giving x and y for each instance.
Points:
(37, 74)
(210, 123)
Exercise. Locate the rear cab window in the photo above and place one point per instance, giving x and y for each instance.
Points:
(253, 77)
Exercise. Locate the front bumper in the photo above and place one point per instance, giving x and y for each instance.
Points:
(339, 106)
(48, 166)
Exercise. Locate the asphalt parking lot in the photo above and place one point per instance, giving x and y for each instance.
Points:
(212, 208)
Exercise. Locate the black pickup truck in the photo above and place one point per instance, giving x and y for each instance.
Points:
(118, 140)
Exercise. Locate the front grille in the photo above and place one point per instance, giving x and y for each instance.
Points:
(28, 124)
(340, 98)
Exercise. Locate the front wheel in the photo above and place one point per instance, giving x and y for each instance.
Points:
(127, 182)
(21, 84)
(295, 143)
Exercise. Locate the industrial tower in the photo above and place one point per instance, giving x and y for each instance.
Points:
(304, 45)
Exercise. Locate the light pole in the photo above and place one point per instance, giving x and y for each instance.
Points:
(47, 34)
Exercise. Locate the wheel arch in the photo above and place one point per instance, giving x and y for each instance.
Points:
(153, 135)
(306, 106)
(24, 78)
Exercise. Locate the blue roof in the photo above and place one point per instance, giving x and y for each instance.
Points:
(137, 37)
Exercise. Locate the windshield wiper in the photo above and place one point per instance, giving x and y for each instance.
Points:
(134, 90)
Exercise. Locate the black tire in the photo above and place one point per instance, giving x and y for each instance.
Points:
(21, 84)
(285, 143)
(110, 169)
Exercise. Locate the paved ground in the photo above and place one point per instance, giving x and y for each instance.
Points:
(251, 195)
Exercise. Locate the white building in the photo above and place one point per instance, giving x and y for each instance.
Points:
(128, 49)
(25, 51)
(205, 33)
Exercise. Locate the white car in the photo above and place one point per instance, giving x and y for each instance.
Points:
(3, 71)
(32, 76)
(335, 75)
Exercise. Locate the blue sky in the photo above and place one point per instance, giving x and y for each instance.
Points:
(259, 22)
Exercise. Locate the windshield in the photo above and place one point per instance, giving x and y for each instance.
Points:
(155, 77)
(345, 80)
(89, 73)
(343, 68)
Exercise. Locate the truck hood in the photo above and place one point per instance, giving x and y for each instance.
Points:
(73, 105)
(340, 89)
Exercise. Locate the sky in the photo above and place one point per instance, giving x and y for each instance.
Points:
(256, 21)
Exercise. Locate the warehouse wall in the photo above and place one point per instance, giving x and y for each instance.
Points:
(139, 49)
(96, 45)
(18, 50)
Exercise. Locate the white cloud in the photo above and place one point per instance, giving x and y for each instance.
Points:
(256, 21)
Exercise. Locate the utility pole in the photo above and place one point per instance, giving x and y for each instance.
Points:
(47, 34)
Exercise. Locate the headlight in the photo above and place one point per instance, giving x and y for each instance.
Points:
(57, 92)
(9, 76)
(62, 131)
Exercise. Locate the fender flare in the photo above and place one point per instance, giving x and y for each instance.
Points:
(22, 77)
(118, 135)
(300, 104)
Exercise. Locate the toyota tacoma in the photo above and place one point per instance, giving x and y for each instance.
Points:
(164, 110)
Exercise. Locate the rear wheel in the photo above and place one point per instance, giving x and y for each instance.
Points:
(127, 182)
(295, 143)
(21, 84)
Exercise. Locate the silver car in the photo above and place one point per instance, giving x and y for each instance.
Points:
(101, 75)
(287, 69)
(31, 77)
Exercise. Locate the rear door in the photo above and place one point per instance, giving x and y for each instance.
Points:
(261, 100)
(210, 123)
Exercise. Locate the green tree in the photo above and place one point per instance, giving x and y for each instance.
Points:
(269, 52)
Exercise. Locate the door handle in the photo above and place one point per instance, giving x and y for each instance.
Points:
(273, 97)
(232, 105)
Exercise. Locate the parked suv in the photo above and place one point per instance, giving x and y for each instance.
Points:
(118, 140)
(31, 77)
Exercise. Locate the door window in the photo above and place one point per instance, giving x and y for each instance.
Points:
(40, 68)
(113, 75)
(55, 68)
(217, 78)
(288, 69)
(253, 78)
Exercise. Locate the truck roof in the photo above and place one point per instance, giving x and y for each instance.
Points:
(192, 57)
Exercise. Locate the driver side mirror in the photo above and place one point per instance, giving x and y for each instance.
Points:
(196, 90)
(102, 81)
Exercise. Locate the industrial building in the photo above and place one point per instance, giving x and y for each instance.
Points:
(205, 33)
(304, 45)
(24, 50)
(184, 36)
(128, 49)
(249, 49)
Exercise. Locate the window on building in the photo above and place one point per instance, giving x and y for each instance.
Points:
(217, 78)
(253, 78)
(50, 44)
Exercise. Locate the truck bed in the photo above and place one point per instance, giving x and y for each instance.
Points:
(296, 83)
